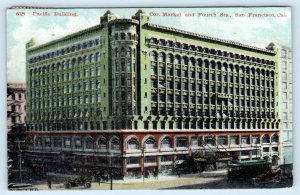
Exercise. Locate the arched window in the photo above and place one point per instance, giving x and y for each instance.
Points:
(177, 59)
(162, 57)
(266, 139)
(88, 142)
(85, 59)
(91, 58)
(275, 138)
(150, 143)
(97, 56)
(101, 143)
(186, 61)
(166, 143)
(128, 52)
(116, 52)
(192, 61)
(133, 144)
(199, 62)
(122, 36)
(153, 56)
(170, 58)
(122, 51)
(128, 36)
(79, 60)
(115, 144)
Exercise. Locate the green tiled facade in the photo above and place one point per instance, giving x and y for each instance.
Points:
(130, 79)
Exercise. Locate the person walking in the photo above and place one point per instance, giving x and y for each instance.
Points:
(49, 183)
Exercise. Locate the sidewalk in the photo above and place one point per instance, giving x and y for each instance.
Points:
(205, 174)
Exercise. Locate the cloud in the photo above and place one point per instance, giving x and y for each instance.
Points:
(28, 29)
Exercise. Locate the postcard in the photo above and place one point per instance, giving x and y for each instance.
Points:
(149, 98)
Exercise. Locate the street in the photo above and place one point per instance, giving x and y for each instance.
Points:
(193, 181)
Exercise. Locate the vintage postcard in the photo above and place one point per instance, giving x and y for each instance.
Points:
(149, 98)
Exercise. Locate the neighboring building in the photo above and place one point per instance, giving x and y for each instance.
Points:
(148, 96)
(285, 104)
(16, 105)
(16, 115)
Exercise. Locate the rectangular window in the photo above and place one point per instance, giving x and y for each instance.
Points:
(166, 158)
(181, 142)
(234, 140)
(222, 140)
(245, 139)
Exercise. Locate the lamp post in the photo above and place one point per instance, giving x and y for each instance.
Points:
(143, 163)
(20, 159)
(111, 179)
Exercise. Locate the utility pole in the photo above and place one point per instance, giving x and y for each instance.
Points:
(20, 158)
(111, 173)
(143, 165)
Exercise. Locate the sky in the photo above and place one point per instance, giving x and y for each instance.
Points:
(255, 31)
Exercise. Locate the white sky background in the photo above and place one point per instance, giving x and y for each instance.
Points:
(253, 31)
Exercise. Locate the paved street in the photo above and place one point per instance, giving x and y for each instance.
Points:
(194, 181)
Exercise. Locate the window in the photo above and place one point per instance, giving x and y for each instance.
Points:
(132, 160)
(67, 142)
(222, 140)
(133, 144)
(181, 142)
(115, 144)
(101, 143)
(255, 139)
(234, 140)
(166, 158)
(245, 139)
(150, 143)
(166, 143)
(196, 141)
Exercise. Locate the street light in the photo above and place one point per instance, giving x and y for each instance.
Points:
(111, 179)
(143, 163)
(20, 159)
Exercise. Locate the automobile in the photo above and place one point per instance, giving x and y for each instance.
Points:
(269, 176)
(21, 187)
(80, 181)
(247, 170)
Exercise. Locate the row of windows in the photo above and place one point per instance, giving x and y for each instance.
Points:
(75, 142)
(213, 124)
(124, 52)
(65, 101)
(149, 143)
(70, 113)
(124, 36)
(205, 50)
(219, 112)
(68, 88)
(200, 63)
(65, 64)
(211, 87)
(67, 50)
(210, 76)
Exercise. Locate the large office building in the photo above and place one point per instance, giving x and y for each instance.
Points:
(285, 99)
(147, 97)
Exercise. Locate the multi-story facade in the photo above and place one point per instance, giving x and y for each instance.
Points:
(16, 116)
(16, 105)
(149, 96)
(285, 104)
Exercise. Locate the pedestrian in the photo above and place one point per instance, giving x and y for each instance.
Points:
(178, 173)
(99, 179)
(155, 174)
(49, 183)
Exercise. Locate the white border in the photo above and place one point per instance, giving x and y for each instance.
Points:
(152, 3)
